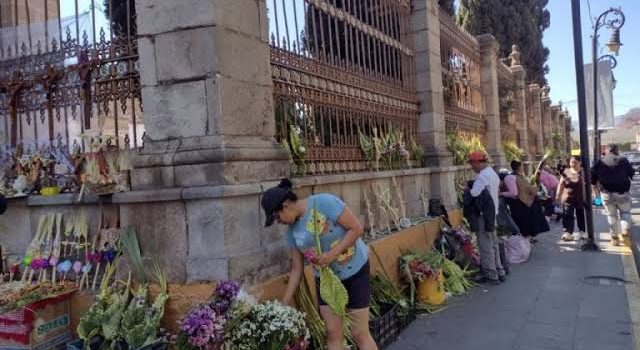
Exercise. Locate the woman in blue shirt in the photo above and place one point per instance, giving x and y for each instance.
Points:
(342, 250)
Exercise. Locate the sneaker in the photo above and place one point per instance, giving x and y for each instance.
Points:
(502, 279)
(582, 235)
(615, 241)
(567, 237)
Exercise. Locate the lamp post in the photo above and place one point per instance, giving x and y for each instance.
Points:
(613, 19)
(582, 117)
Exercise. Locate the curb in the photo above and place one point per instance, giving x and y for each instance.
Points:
(631, 265)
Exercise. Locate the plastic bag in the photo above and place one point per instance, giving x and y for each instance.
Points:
(558, 210)
(517, 249)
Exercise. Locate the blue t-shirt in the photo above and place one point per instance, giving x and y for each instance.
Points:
(328, 209)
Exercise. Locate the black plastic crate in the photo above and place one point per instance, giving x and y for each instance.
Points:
(386, 328)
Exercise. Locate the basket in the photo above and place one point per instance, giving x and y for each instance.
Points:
(386, 328)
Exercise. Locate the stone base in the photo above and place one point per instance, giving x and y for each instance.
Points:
(208, 161)
(438, 158)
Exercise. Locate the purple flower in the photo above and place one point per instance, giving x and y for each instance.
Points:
(203, 326)
(225, 294)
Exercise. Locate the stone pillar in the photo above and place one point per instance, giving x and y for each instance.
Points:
(567, 132)
(545, 104)
(536, 118)
(209, 145)
(560, 126)
(207, 94)
(489, 82)
(520, 101)
(425, 30)
(425, 24)
(555, 113)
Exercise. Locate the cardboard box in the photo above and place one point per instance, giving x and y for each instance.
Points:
(47, 327)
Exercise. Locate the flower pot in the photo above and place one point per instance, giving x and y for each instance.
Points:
(431, 290)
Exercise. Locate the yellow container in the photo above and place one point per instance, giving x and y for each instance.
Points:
(50, 191)
(431, 291)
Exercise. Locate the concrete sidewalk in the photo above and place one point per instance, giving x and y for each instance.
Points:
(549, 302)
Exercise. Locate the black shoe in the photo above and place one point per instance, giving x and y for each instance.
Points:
(502, 279)
(487, 281)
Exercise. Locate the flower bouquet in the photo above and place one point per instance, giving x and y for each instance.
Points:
(468, 247)
(206, 326)
(270, 326)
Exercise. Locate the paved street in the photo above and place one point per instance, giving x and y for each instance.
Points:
(545, 304)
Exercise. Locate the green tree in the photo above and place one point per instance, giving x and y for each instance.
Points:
(121, 13)
(448, 6)
(520, 22)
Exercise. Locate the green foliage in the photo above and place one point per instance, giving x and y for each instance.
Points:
(418, 153)
(368, 148)
(131, 245)
(332, 290)
(461, 144)
(520, 22)
(448, 6)
(512, 151)
(625, 147)
(298, 150)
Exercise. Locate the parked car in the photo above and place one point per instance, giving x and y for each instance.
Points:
(634, 159)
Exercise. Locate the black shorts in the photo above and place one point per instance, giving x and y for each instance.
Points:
(358, 288)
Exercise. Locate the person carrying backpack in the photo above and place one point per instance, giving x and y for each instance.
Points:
(611, 180)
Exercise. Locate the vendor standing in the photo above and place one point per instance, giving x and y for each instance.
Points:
(343, 250)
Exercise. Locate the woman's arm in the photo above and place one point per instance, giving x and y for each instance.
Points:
(354, 231)
(297, 269)
(560, 190)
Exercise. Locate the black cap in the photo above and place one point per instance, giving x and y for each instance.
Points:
(273, 198)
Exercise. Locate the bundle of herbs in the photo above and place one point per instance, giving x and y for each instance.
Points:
(384, 292)
(456, 281)
(123, 317)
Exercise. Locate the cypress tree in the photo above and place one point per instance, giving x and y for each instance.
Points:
(520, 22)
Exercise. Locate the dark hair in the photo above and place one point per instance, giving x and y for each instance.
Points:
(613, 148)
(515, 165)
(577, 158)
(286, 184)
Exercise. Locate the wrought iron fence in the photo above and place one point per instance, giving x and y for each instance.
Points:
(344, 86)
(66, 78)
(460, 55)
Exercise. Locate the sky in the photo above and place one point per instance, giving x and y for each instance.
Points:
(559, 39)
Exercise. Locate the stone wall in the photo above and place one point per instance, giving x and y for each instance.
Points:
(211, 233)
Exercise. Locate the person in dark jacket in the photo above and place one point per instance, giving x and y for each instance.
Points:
(611, 180)
(484, 192)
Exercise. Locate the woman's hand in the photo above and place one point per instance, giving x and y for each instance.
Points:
(326, 259)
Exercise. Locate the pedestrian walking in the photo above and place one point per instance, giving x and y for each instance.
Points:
(571, 196)
(481, 208)
(611, 180)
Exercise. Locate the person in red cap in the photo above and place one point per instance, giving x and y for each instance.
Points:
(484, 193)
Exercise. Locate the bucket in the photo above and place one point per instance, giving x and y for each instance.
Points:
(431, 290)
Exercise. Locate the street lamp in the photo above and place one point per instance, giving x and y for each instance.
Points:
(582, 117)
(613, 62)
(613, 19)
